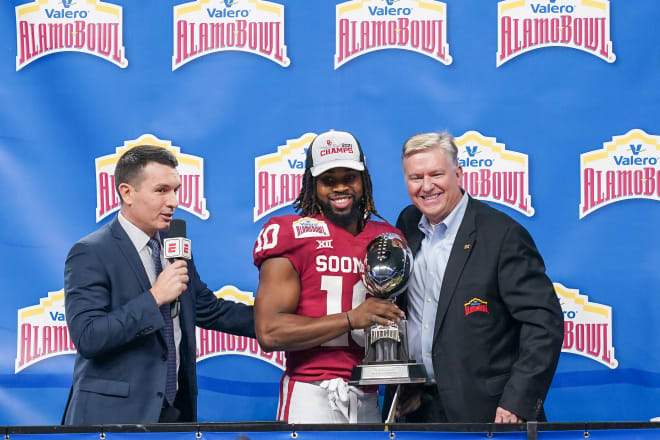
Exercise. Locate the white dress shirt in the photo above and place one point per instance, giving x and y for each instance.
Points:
(426, 282)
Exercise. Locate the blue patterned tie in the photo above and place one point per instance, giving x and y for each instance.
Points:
(168, 329)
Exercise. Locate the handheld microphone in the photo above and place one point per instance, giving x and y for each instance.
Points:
(177, 246)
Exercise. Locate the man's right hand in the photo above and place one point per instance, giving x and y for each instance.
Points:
(171, 283)
(375, 311)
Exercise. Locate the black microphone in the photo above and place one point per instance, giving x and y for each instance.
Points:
(177, 228)
(177, 247)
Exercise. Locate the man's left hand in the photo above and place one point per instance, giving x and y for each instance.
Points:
(505, 416)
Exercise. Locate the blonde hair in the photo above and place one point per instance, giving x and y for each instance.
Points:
(425, 141)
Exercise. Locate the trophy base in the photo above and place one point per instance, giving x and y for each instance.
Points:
(390, 373)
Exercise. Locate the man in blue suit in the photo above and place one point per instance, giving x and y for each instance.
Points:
(132, 315)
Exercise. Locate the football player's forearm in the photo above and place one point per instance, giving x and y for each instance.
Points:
(290, 332)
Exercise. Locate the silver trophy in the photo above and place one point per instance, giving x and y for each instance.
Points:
(387, 268)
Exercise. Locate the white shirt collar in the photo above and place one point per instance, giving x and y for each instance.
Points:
(137, 235)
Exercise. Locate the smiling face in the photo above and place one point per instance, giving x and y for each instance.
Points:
(150, 200)
(433, 183)
(340, 191)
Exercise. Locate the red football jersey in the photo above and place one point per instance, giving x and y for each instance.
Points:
(329, 261)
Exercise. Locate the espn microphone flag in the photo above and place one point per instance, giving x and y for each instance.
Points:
(177, 245)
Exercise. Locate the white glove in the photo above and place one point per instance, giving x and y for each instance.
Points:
(343, 397)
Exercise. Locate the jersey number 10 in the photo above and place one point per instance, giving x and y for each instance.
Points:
(333, 286)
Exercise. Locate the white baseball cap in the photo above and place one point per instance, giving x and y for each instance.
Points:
(334, 149)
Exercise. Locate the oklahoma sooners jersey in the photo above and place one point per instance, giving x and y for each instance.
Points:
(329, 262)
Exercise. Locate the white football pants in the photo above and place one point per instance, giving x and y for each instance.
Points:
(329, 401)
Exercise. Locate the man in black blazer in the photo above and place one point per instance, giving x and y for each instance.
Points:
(482, 314)
(131, 315)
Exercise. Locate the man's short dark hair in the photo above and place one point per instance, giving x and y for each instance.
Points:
(132, 162)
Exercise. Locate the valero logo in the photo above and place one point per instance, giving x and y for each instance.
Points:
(45, 27)
(364, 26)
(278, 176)
(211, 343)
(492, 173)
(42, 332)
(204, 27)
(526, 25)
(625, 168)
(587, 327)
(191, 171)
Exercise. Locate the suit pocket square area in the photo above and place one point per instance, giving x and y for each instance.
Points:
(104, 386)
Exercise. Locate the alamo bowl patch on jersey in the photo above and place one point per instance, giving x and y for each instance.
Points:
(308, 227)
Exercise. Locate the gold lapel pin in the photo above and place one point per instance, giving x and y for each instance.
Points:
(467, 246)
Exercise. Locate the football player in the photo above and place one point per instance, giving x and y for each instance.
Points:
(311, 302)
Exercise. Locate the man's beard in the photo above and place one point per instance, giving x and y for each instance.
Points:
(344, 220)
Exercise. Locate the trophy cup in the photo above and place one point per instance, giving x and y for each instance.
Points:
(387, 268)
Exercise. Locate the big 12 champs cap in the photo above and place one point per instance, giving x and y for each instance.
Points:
(334, 149)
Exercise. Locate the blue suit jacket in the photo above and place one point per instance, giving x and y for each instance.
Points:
(115, 324)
